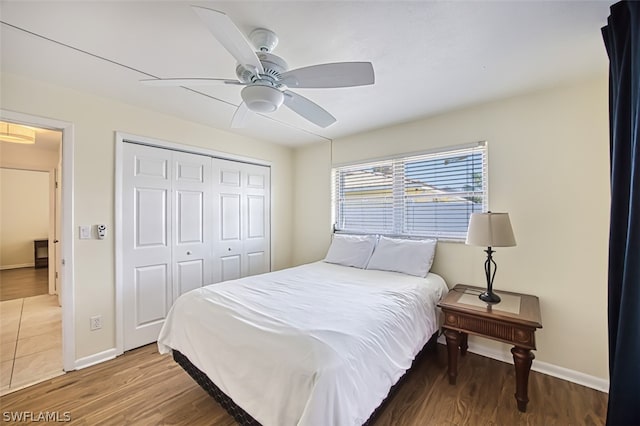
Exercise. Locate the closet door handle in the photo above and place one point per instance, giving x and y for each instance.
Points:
(229, 249)
(188, 252)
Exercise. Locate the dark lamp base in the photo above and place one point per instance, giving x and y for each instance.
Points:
(489, 297)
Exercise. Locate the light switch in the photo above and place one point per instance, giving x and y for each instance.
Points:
(85, 232)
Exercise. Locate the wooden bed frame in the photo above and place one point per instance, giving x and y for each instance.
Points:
(244, 419)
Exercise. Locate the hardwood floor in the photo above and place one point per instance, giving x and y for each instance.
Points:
(23, 282)
(143, 387)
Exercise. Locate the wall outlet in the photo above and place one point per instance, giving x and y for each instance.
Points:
(95, 323)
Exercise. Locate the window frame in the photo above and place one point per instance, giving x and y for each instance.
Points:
(397, 190)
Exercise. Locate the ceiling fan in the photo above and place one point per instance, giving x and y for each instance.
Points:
(265, 76)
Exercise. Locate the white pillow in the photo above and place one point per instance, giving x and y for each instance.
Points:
(413, 257)
(351, 250)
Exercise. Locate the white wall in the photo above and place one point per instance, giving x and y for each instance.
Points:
(548, 167)
(24, 215)
(95, 122)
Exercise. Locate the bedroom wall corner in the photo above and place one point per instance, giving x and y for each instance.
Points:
(312, 220)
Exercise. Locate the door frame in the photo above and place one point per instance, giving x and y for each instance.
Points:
(120, 139)
(66, 238)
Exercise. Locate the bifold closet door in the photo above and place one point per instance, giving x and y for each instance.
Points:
(167, 218)
(192, 222)
(242, 219)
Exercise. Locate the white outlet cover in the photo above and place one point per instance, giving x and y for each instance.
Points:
(95, 323)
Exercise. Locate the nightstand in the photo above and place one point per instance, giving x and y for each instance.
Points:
(41, 253)
(514, 321)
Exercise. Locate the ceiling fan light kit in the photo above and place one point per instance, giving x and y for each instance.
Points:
(266, 76)
(262, 98)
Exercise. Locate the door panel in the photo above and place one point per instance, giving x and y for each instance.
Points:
(256, 262)
(190, 275)
(229, 217)
(193, 172)
(150, 215)
(147, 242)
(229, 177)
(193, 218)
(255, 181)
(151, 166)
(152, 294)
(230, 267)
(190, 217)
(257, 243)
(241, 238)
(255, 216)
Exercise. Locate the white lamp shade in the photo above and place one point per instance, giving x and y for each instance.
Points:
(490, 230)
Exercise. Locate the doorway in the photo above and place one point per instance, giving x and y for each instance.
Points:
(30, 315)
(49, 314)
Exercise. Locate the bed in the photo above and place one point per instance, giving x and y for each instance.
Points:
(318, 344)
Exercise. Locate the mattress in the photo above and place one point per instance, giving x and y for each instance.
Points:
(316, 344)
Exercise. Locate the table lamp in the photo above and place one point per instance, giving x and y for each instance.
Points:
(490, 230)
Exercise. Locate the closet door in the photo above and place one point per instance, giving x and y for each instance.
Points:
(167, 235)
(242, 222)
(147, 242)
(192, 219)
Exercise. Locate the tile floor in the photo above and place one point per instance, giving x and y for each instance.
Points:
(31, 341)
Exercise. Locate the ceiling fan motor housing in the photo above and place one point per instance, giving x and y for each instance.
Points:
(273, 66)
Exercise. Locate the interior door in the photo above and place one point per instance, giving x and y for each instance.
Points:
(57, 230)
(147, 242)
(241, 231)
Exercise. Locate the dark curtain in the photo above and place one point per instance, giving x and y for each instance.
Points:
(622, 40)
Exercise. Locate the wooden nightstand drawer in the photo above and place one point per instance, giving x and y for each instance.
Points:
(507, 333)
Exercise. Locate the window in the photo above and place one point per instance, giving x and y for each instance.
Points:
(431, 194)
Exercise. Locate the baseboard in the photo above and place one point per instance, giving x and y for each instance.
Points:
(477, 348)
(22, 265)
(541, 367)
(94, 359)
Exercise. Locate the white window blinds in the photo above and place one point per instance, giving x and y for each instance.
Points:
(431, 194)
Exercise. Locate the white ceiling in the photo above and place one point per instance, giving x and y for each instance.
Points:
(428, 57)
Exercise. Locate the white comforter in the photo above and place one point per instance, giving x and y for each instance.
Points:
(315, 345)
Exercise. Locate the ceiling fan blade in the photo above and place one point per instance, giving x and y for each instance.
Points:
(188, 82)
(229, 36)
(339, 74)
(240, 116)
(308, 109)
